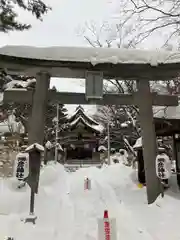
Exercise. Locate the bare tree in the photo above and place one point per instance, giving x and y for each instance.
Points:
(127, 32)
(157, 16)
(109, 34)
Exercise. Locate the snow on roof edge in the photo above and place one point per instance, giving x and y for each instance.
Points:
(78, 109)
(97, 128)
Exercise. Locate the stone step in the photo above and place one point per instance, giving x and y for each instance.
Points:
(84, 161)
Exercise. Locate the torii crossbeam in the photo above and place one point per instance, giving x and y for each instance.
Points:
(26, 96)
(142, 66)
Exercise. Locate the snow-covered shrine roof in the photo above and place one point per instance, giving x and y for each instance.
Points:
(80, 119)
(114, 62)
(80, 112)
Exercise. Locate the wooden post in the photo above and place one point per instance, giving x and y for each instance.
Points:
(32, 202)
(33, 178)
(149, 140)
(37, 124)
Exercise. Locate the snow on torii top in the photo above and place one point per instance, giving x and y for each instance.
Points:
(92, 55)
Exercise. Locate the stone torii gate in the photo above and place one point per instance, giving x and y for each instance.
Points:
(69, 62)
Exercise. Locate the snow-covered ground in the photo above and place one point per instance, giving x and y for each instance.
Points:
(66, 211)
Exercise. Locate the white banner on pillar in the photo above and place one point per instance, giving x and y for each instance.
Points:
(21, 166)
(107, 229)
(163, 166)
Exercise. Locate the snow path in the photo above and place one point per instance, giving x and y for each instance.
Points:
(66, 211)
(79, 210)
(85, 207)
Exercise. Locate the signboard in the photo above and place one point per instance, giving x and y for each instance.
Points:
(94, 85)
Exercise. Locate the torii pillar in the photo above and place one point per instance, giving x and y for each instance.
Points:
(145, 102)
(40, 98)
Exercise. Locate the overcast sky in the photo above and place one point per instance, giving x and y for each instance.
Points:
(60, 28)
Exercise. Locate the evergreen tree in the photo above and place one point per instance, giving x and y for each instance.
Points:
(9, 16)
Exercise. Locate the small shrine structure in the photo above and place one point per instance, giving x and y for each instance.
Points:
(167, 124)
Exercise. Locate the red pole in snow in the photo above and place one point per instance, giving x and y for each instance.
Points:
(86, 183)
(106, 214)
(106, 226)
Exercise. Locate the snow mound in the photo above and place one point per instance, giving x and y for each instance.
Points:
(50, 174)
(118, 175)
(12, 200)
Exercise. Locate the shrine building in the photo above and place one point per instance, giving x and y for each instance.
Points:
(81, 139)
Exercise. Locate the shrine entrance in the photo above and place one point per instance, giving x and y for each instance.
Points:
(80, 152)
(94, 65)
